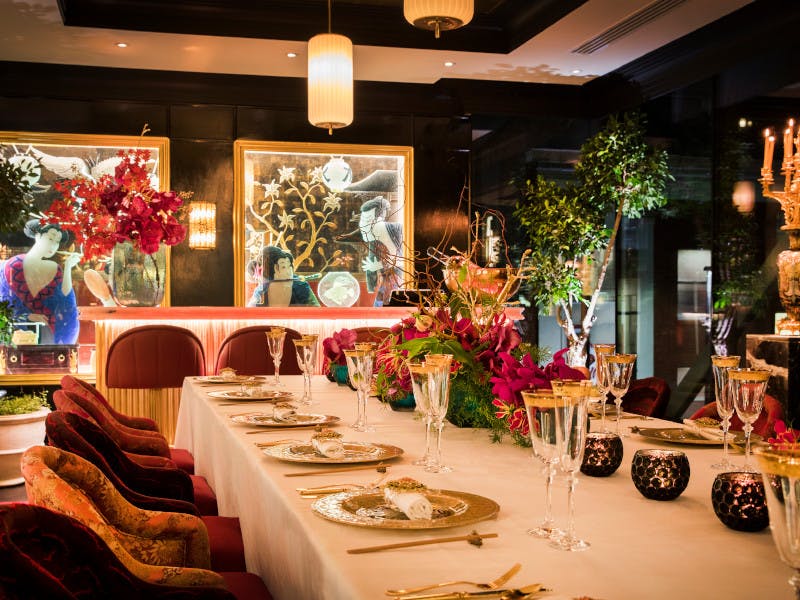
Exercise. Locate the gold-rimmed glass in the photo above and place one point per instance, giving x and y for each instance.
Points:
(359, 369)
(618, 372)
(439, 402)
(724, 401)
(601, 381)
(306, 350)
(275, 339)
(422, 385)
(748, 387)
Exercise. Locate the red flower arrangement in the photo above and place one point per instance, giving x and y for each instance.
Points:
(333, 347)
(119, 208)
(786, 439)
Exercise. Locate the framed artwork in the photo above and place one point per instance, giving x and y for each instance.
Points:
(332, 213)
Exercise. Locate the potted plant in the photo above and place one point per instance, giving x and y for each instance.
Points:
(566, 226)
(21, 426)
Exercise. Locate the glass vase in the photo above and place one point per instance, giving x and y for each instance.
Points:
(136, 278)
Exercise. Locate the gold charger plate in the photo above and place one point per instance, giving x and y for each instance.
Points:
(296, 420)
(266, 395)
(354, 452)
(678, 435)
(238, 379)
(368, 508)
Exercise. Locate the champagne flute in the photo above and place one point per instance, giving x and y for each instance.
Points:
(748, 387)
(541, 409)
(421, 384)
(573, 413)
(359, 368)
(439, 401)
(724, 400)
(601, 381)
(306, 350)
(619, 370)
(275, 338)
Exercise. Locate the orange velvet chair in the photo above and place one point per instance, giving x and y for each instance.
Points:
(763, 426)
(145, 369)
(246, 351)
(648, 397)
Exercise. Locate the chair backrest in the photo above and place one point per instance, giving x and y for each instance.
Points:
(66, 483)
(648, 396)
(763, 426)
(372, 334)
(50, 555)
(246, 351)
(92, 394)
(154, 356)
(145, 487)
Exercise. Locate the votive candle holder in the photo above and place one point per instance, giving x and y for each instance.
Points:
(739, 501)
(660, 474)
(603, 454)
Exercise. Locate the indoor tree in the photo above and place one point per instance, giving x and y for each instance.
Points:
(618, 173)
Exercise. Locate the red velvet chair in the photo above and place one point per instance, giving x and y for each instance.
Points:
(372, 334)
(764, 425)
(88, 402)
(152, 488)
(246, 351)
(648, 397)
(65, 482)
(45, 554)
(145, 369)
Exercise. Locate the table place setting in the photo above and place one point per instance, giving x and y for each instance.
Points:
(328, 447)
(277, 420)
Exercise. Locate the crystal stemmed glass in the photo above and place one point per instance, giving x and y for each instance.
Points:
(306, 350)
(439, 401)
(275, 337)
(541, 409)
(748, 387)
(724, 400)
(573, 413)
(359, 368)
(618, 371)
(601, 381)
(421, 384)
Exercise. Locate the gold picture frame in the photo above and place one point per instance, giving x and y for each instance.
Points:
(310, 200)
(59, 156)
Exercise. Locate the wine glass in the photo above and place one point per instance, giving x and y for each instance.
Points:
(439, 401)
(275, 337)
(306, 350)
(359, 368)
(601, 381)
(724, 399)
(573, 408)
(541, 409)
(421, 382)
(780, 470)
(748, 387)
(618, 372)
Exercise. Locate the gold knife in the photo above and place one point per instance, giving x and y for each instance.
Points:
(528, 591)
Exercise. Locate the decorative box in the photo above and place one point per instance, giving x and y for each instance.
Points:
(40, 358)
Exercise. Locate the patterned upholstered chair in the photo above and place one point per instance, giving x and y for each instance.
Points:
(764, 425)
(88, 399)
(46, 554)
(152, 488)
(67, 483)
(246, 351)
(648, 397)
(145, 369)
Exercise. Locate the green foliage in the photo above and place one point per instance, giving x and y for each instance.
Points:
(15, 202)
(6, 322)
(23, 403)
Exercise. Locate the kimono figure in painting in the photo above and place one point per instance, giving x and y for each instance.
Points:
(279, 285)
(38, 289)
(384, 243)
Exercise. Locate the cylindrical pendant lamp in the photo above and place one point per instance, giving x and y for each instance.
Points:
(330, 81)
(438, 15)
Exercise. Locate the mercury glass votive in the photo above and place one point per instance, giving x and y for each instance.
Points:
(660, 474)
(603, 454)
(739, 502)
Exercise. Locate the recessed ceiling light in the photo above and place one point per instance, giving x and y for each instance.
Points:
(576, 71)
(291, 54)
(121, 45)
(449, 63)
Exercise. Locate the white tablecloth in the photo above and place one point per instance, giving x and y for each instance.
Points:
(640, 548)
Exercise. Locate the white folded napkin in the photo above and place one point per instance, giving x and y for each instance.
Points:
(708, 433)
(413, 504)
(330, 447)
(284, 412)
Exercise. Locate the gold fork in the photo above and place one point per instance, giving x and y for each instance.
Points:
(324, 490)
(492, 585)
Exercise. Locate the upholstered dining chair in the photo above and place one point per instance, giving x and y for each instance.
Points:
(372, 334)
(153, 488)
(87, 398)
(246, 351)
(67, 483)
(647, 397)
(46, 554)
(145, 369)
(763, 426)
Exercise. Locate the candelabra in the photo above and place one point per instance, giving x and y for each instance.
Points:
(789, 199)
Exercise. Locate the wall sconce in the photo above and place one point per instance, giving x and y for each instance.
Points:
(744, 196)
(202, 225)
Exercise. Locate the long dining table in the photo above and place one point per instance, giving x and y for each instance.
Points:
(640, 548)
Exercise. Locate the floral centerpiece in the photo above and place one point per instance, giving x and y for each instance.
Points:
(334, 362)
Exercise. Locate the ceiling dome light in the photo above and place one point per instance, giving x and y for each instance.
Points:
(438, 15)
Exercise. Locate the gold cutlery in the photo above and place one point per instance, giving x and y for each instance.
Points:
(492, 585)
(381, 468)
(527, 592)
(474, 538)
(279, 429)
(324, 490)
(273, 443)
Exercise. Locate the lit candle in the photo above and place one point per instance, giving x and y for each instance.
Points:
(788, 134)
(769, 142)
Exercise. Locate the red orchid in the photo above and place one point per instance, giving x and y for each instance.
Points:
(786, 439)
(333, 347)
(559, 369)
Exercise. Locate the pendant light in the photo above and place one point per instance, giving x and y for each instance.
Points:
(330, 79)
(438, 15)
